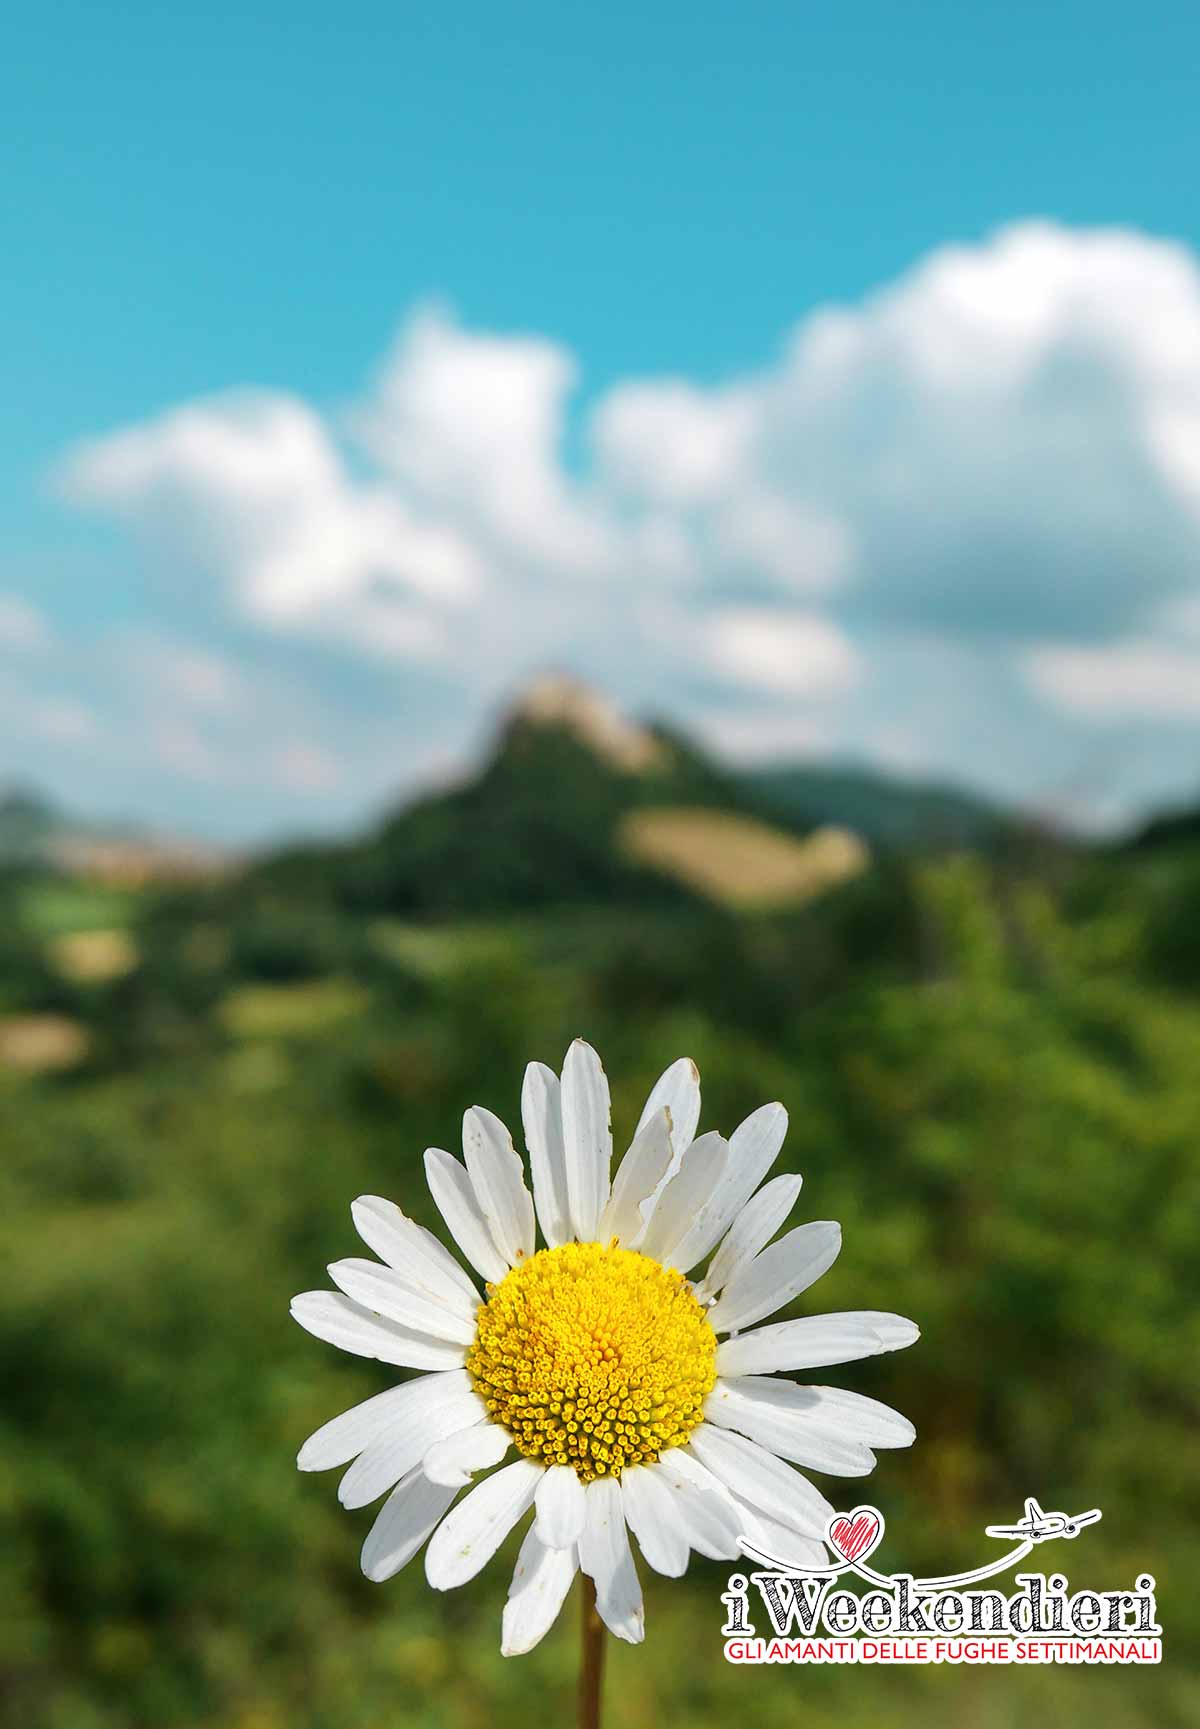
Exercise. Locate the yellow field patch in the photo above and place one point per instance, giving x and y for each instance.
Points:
(737, 859)
(34, 1044)
(94, 957)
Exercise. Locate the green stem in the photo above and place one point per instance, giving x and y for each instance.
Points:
(591, 1657)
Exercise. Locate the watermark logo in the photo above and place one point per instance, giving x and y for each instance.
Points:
(949, 1619)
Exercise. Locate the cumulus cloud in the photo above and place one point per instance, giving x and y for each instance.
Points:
(62, 720)
(992, 464)
(21, 626)
(672, 441)
(1127, 679)
(473, 426)
(1003, 443)
(790, 653)
(251, 489)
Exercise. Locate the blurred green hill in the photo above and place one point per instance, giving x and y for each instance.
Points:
(576, 805)
(28, 824)
(990, 1061)
(1171, 829)
(887, 811)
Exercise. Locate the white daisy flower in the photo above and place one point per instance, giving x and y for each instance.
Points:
(636, 1396)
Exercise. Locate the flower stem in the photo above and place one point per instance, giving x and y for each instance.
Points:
(591, 1657)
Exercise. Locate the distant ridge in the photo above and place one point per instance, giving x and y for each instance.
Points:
(899, 814)
(1177, 827)
(35, 832)
(28, 823)
(575, 802)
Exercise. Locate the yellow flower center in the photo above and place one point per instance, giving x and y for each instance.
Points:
(593, 1356)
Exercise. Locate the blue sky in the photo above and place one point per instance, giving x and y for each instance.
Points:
(532, 302)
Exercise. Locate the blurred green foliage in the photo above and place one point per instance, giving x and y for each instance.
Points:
(993, 1076)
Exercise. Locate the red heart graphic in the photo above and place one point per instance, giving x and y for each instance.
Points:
(855, 1534)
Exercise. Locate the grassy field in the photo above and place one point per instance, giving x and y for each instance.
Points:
(739, 861)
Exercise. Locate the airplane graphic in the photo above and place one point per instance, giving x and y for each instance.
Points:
(1038, 1527)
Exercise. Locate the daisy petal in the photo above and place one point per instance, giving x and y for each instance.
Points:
(679, 1089)
(606, 1558)
(752, 1474)
(454, 1459)
(344, 1437)
(451, 1189)
(440, 1410)
(814, 1342)
(638, 1177)
(834, 1409)
(382, 1290)
(498, 1179)
(587, 1138)
(780, 1542)
(333, 1317)
(650, 1514)
(541, 1114)
(755, 1406)
(561, 1507)
(753, 1149)
(540, 1582)
(405, 1520)
(751, 1231)
(681, 1211)
(703, 1506)
(471, 1533)
(414, 1252)
(780, 1273)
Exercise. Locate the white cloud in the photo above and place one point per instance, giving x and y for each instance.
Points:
(1127, 680)
(755, 734)
(21, 626)
(791, 546)
(473, 426)
(62, 720)
(789, 654)
(994, 462)
(197, 678)
(307, 768)
(180, 746)
(1005, 442)
(1002, 443)
(673, 442)
(252, 490)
